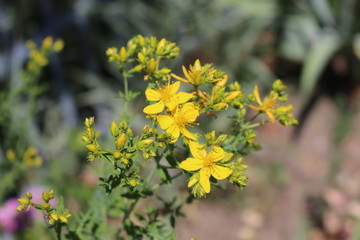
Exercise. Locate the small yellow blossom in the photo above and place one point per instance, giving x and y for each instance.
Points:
(267, 106)
(177, 123)
(206, 163)
(165, 96)
(197, 74)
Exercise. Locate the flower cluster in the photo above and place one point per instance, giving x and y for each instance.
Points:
(51, 214)
(30, 158)
(174, 112)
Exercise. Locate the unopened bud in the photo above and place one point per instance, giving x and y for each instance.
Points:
(46, 206)
(151, 66)
(45, 197)
(89, 122)
(92, 148)
(114, 129)
(144, 143)
(123, 56)
(117, 155)
(51, 193)
(220, 106)
(28, 195)
(120, 141)
(232, 95)
(123, 125)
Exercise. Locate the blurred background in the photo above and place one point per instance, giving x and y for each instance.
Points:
(303, 184)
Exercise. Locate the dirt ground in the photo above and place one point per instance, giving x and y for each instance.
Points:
(304, 189)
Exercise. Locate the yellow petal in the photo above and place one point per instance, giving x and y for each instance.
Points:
(257, 95)
(154, 108)
(173, 88)
(271, 116)
(189, 112)
(191, 164)
(217, 153)
(165, 121)
(179, 78)
(220, 172)
(174, 131)
(152, 94)
(186, 73)
(204, 179)
(172, 105)
(197, 150)
(255, 108)
(183, 97)
(187, 133)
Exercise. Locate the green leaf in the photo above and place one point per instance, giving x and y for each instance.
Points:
(319, 55)
(164, 175)
(171, 160)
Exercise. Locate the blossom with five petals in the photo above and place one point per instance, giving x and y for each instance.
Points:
(179, 120)
(165, 96)
(268, 106)
(206, 163)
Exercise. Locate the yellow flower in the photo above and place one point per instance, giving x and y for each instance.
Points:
(197, 74)
(206, 163)
(165, 96)
(267, 106)
(177, 123)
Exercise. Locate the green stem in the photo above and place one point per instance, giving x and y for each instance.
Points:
(58, 231)
(126, 92)
(255, 116)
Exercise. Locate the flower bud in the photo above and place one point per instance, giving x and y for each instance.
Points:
(144, 143)
(232, 95)
(91, 148)
(51, 193)
(58, 45)
(151, 66)
(28, 195)
(141, 58)
(45, 197)
(129, 132)
(133, 182)
(47, 42)
(46, 206)
(85, 139)
(123, 55)
(54, 216)
(120, 141)
(117, 155)
(123, 125)
(194, 179)
(220, 106)
(114, 129)
(220, 139)
(89, 122)
(160, 47)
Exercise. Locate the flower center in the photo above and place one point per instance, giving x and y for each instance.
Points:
(165, 94)
(207, 161)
